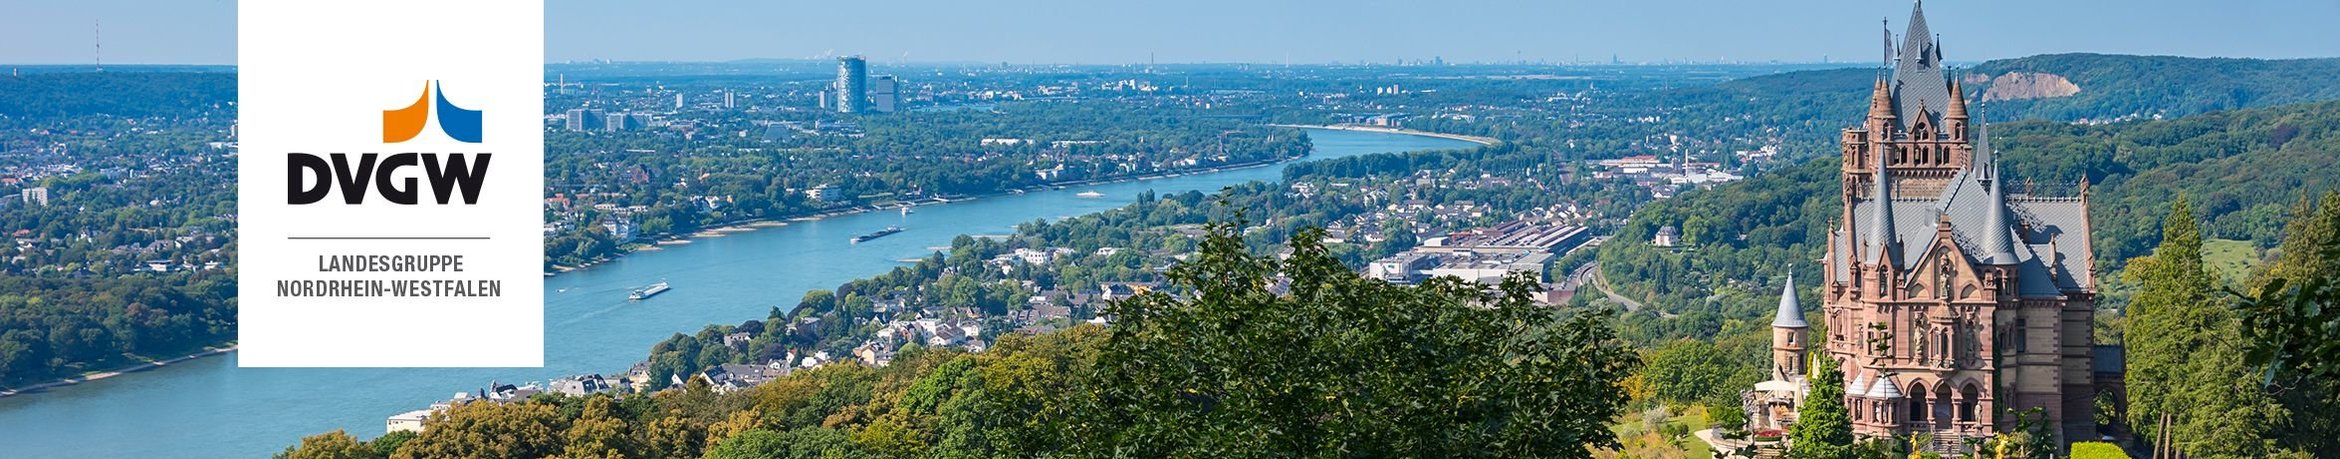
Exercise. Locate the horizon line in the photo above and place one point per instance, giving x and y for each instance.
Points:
(1582, 63)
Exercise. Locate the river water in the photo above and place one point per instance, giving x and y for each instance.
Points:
(210, 408)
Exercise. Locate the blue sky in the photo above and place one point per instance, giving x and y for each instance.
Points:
(1109, 32)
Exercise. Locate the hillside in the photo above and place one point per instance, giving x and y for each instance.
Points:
(1810, 106)
(45, 97)
(2114, 87)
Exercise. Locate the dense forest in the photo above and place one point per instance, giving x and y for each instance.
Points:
(35, 99)
(60, 327)
(131, 258)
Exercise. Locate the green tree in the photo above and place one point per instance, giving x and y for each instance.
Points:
(485, 430)
(2288, 324)
(330, 445)
(2186, 353)
(672, 435)
(598, 432)
(2307, 240)
(807, 443)
(388, 443)
(1686, 372)
(1337, 364)
(1823, 428)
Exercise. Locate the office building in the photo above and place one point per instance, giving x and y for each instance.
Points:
(852, 84)
(584, 119)
(884, 94)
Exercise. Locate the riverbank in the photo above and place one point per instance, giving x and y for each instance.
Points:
(1488, 141)
(212, 408)
(722, 229)
(148, 365)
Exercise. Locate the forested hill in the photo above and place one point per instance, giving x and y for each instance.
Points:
(34, 98)
(2117, 86)
(1810, 106)
(2243, 169)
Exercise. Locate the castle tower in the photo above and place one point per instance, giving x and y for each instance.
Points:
(1950, 301)
(1787, 334)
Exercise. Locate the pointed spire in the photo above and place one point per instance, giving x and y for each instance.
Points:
(1791, 311)
(1917, 42)
(1999, 234)
(1957, 107)
(1917, 73)
(1881, 103)
(1882, 239)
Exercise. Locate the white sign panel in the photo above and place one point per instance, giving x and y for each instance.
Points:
(391, 178)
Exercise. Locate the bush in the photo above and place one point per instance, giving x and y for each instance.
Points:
(2097, 450)
(1674, 430)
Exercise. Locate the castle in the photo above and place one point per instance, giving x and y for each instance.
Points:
(1951, 302)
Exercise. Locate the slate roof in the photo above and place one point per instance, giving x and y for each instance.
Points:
(1918, 80)
(2056, 243)
(1884, 388)
(2045, 237)
(1791, 311)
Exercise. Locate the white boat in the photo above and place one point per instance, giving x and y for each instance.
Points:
(1090, 194)
(650, 291)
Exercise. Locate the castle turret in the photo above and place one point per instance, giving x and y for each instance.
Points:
(1881, 109)
(1954, 117)
(1787, 334)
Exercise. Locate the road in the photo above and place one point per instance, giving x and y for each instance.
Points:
(1590, 274)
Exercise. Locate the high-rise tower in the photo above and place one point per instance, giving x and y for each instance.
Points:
(852, 84)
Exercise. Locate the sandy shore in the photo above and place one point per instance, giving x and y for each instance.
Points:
(149, 365)
(1392, 130)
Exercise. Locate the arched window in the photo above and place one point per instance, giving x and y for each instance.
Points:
(1969, 399)
(1944, 346)
(1917, 402)
(1944, 402)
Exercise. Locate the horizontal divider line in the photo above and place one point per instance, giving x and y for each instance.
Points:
(414, 238)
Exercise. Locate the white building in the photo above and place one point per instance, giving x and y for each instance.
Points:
(411, 421)
(38, 196)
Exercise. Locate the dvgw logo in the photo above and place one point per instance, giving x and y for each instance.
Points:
(447, 172)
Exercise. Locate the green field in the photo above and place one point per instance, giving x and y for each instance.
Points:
(2233, 261)
(1688, 446)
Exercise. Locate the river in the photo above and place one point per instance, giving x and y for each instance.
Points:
(210, 408)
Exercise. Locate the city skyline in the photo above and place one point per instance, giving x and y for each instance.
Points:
(1379, 32)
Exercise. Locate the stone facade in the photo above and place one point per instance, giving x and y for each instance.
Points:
(1951, 301)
